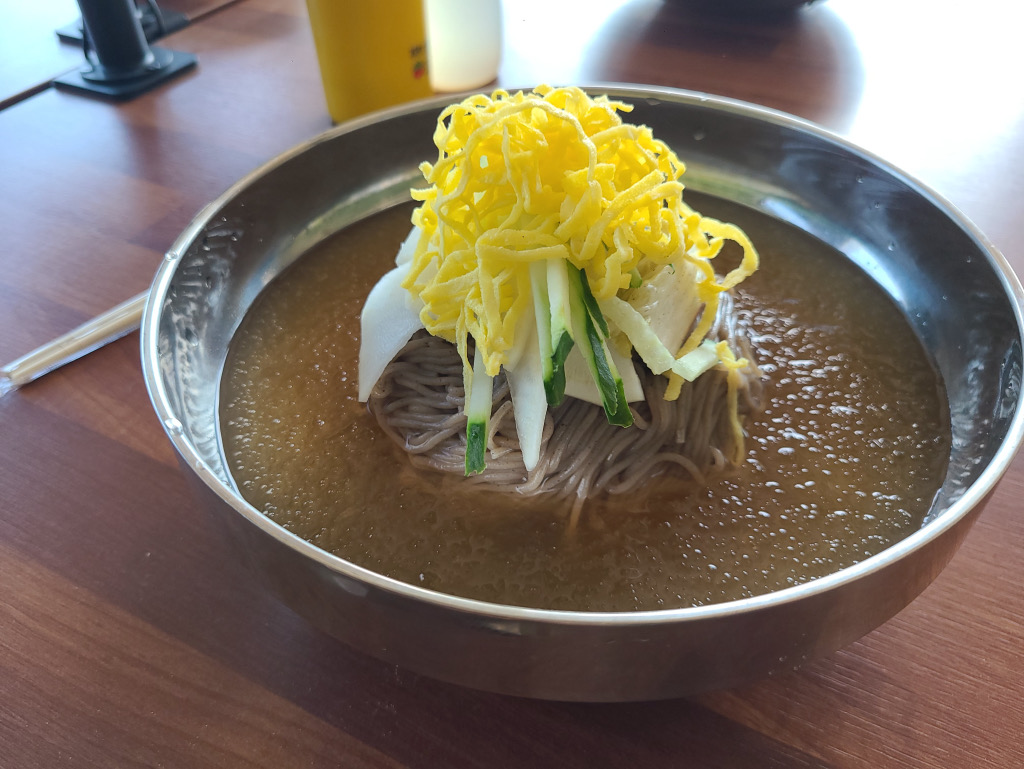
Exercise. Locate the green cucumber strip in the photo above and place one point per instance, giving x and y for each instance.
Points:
(613, 394)
(556, 392)
(696, 362)
(595, 352)
(591, 304)
(478, 415)
(542, 315)
(560, 327)
(476, 442)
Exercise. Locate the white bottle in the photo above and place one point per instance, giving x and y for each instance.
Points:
(463, 43)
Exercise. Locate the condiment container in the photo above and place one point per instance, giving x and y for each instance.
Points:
(372, 54)
(464, 43)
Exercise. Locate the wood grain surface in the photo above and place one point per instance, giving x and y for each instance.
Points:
(129, 634)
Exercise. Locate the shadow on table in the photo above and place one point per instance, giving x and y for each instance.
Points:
(806, 63)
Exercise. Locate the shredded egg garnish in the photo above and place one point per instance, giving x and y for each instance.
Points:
(553, 174)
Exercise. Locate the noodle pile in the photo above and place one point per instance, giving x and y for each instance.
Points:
(420, 398)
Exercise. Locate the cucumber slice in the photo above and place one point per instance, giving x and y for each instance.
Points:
(478, 414)
(560, 331)
(587, 327)
(542, 316)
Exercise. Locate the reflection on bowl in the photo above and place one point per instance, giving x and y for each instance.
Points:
(954, 289)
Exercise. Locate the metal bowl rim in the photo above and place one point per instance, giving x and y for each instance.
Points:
(972, 496)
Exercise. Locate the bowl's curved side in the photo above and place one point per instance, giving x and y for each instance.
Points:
(574, 657)
(954, 288)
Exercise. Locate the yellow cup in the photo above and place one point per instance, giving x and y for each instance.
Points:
(372, 53)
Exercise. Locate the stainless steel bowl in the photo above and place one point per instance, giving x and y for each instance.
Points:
(956, 290)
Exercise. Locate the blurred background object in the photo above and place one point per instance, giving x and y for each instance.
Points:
(463, 43)
(156, 22)
(119, 62)
(371, 55)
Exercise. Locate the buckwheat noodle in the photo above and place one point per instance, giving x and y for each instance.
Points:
(418, 402)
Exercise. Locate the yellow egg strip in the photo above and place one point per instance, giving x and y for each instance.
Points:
(733, 367)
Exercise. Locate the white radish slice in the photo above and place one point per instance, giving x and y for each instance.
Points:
(649, 347)
(387, 323)
(408, 248)
(579, 382)
(668, 302)
(529, 401)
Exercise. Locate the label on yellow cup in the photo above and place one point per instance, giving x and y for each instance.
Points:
(372, 53)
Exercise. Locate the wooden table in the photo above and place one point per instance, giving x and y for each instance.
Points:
(129, 635)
